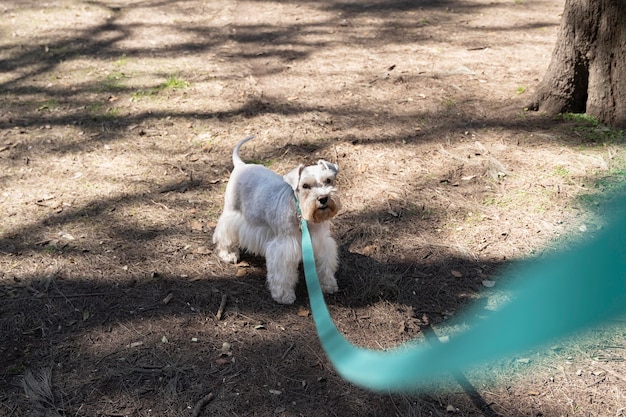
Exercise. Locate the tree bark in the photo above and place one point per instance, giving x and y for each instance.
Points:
(587, 73)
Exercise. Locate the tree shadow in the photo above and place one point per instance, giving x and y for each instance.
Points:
(251, 42)
(157, 336)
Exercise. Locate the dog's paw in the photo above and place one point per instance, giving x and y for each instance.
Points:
(285, 297)
(330, 287)
(230, 257)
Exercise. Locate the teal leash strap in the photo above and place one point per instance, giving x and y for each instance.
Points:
(550, 298)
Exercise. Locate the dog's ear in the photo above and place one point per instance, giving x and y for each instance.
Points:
(327, 165)
(293, 177)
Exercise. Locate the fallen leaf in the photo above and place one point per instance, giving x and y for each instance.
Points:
(66, 236)
(456, 273)
(275, 392)
(303, 312)
(369, 250)
(45, 197)
(488, 283)
(202, 250)
(222, 361)
(241, 272)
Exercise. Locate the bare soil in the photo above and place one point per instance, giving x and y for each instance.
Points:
(117, 121)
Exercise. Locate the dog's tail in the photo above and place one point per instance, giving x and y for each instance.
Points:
(236, 159)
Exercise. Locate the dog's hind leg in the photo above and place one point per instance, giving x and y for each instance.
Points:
(226, 236)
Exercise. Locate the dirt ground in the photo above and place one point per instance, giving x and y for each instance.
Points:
(117, 121)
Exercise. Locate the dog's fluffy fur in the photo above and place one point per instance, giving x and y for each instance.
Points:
(260, 217)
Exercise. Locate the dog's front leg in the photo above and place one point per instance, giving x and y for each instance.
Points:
(282, 257)
(326, 261)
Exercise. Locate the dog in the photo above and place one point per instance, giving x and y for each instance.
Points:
(260, 217)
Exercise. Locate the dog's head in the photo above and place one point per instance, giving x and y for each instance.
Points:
(315, 189)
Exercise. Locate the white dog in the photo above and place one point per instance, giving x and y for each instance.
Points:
(260, 216)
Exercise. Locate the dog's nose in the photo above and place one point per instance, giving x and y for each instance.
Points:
(323, 200)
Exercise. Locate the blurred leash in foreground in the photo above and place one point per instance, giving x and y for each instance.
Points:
(550, 298)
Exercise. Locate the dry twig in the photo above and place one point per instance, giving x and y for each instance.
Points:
(200, 404)
(220, 310)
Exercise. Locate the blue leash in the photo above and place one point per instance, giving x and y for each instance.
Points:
(551, 298)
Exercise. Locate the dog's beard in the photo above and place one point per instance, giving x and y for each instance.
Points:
(312, 211)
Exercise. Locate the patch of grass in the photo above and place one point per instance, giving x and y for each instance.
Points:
(501, 202)
(48, 105)
(95, 107)
(122, 60)
(449, 103)
(561, 171)
(606, 187)
(139, 94)
(592, 130)
(50, 249)
(172, 83)
(112, 82)
(523, 115)
(582, 118)
(267, 163)
(520, 90)
(112, 112)
(472, 219)
(98, 110)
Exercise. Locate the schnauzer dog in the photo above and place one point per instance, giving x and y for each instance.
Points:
(260, 216)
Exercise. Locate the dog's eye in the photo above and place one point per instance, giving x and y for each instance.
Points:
(306, 186)
(328, 181)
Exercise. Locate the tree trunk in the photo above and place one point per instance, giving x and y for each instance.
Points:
(587, 73)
